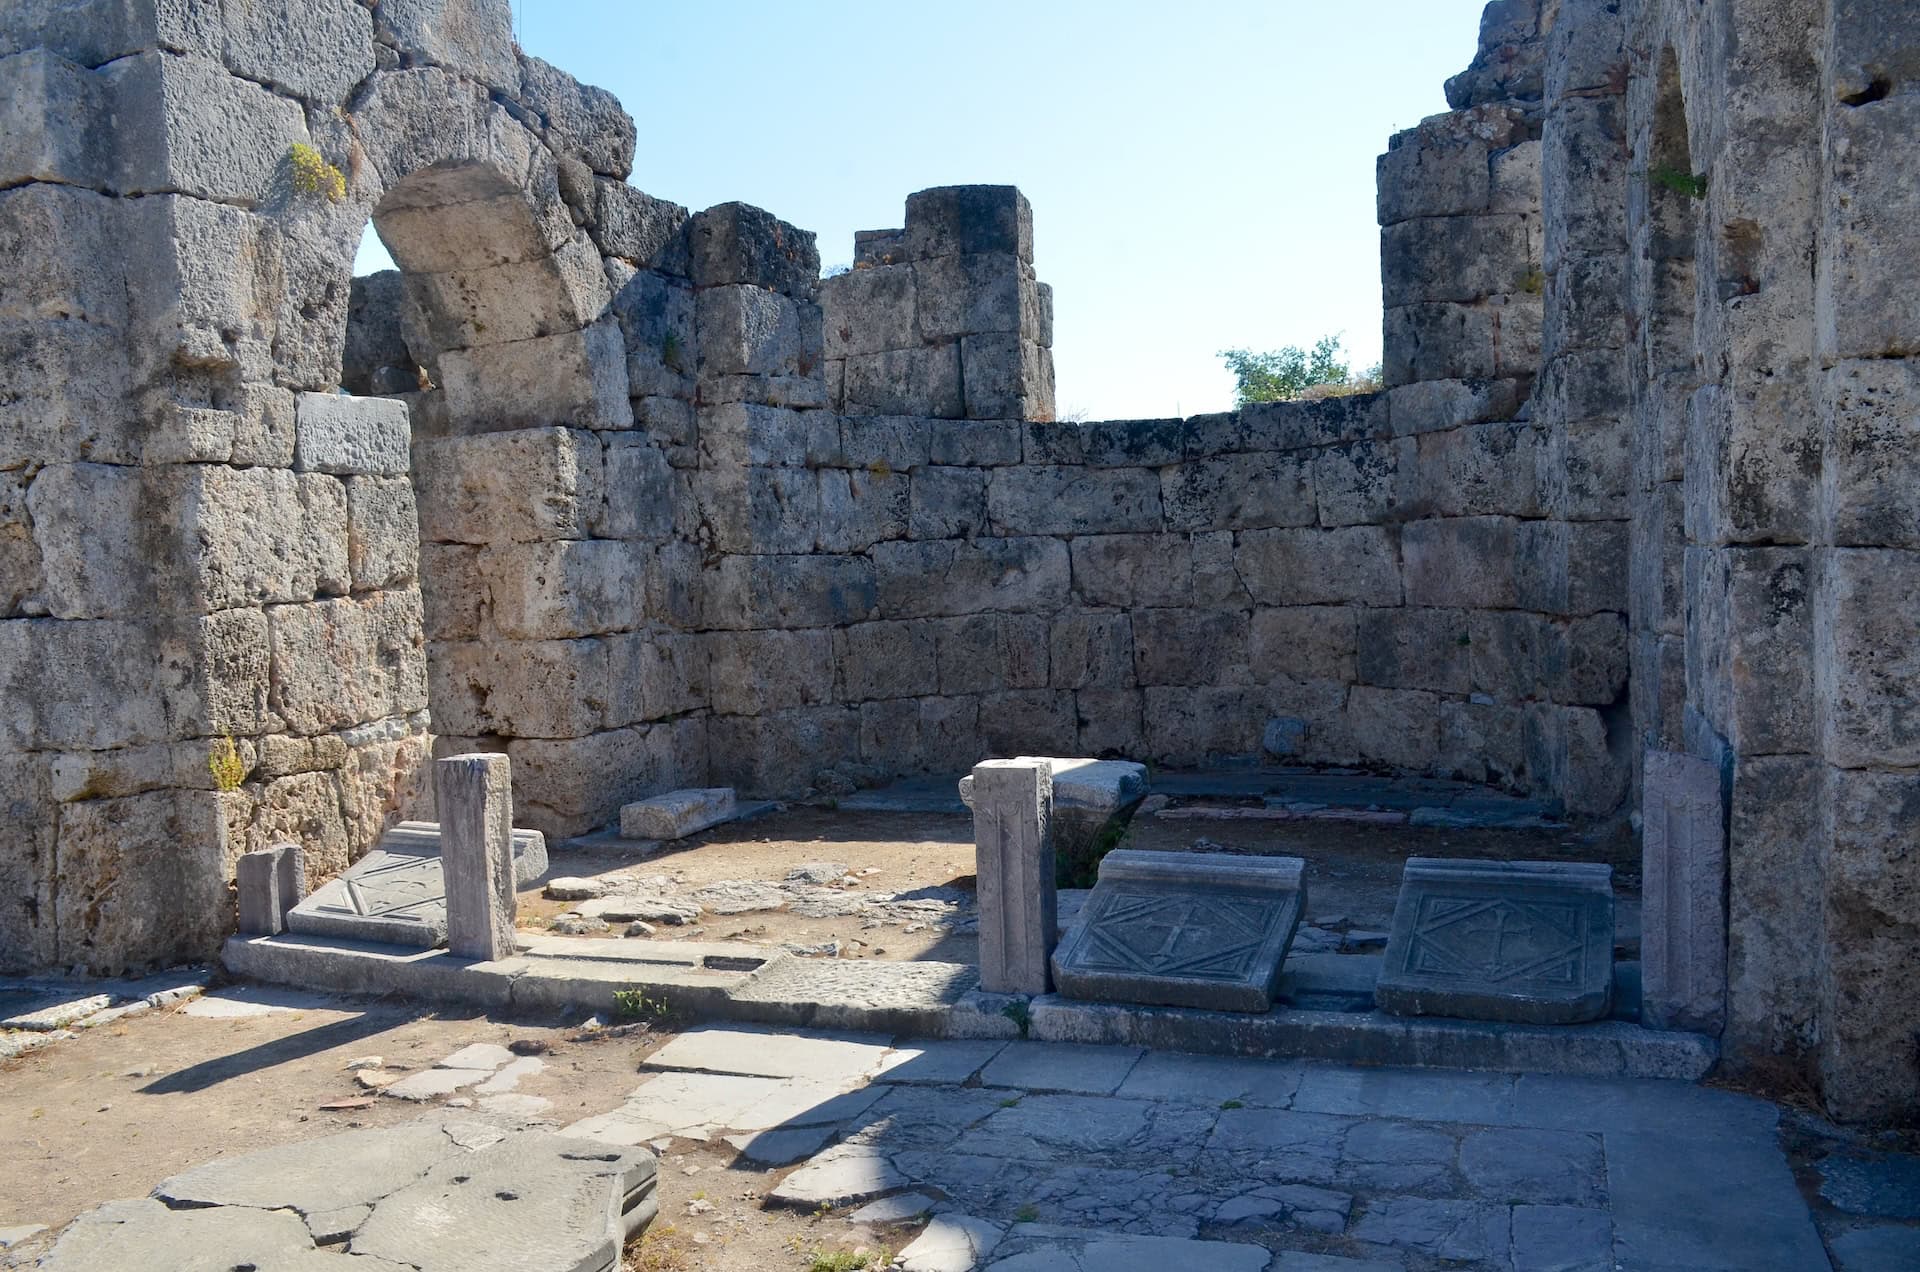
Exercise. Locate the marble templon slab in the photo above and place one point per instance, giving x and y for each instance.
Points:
(1528, 941)
(397, 894)
(1184, 929)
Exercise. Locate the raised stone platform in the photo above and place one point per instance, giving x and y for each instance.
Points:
(1527, 941)
(443, 1194)
(1184, 929)
(397, 894)
(735, 981)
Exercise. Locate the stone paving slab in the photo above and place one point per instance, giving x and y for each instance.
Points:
(1678, 1202)
(937, 1063)
(1037, 1067)
(1173, 1075)
(1523, 941)
(1184, 929)
(770, 1054)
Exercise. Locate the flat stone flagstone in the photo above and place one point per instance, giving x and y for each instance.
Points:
(1515, 941)
(397, 894)
(1204, 930)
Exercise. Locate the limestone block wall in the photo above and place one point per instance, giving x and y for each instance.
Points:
(204, 540)
(946, 317)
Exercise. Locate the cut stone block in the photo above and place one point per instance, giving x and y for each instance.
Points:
(1184, 929)
(271, 882)
(1683, 899)
(1528, 941)
(1092, 800)
(397, 894)
(677, 814)
(474, 794)
(1013, 864)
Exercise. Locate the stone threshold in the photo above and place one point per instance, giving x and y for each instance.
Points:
(693, 981)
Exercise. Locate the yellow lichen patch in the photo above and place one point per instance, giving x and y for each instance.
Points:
(312, 174)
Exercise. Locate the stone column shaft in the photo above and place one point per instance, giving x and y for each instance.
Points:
(474, 794)
(1013, 863)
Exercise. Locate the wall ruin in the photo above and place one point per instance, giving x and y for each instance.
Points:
(637, 497)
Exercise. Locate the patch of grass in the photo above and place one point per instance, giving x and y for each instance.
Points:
(1692, 184)
(842, 1261)
(1017, 1012)
(1232, 1104)
(633, 1004)
(1028, 1213)
(1012, 1102)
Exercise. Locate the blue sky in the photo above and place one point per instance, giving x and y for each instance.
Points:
(1201, 174)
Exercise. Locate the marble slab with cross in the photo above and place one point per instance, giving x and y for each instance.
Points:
(1184, 929)
(1528, 941)
(397, 894)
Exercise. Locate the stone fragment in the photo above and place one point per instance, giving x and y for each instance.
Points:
(474, 796)
(1184, 930)
(58, 1016)
(782, 1146)
(477, 1055)
(951, 1243)
(431, 1084)
(270, 882)
(677, 814)
(124, 1235)
(1014, 865)
(837, 1177)
(1524, 941)
(1092, 801)
(1683, 915)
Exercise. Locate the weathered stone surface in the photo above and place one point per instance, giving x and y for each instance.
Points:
(1683, 926)
(1014, 851)
(1185, 930)
(1526, 941)
(270, 882)
(677, 814)
(188, 126)
(397, 893)
(474, 797)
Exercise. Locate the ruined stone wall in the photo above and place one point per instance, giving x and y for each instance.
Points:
(1772, 411)
(204, 540)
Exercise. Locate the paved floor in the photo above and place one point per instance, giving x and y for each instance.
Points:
(1041, 1156)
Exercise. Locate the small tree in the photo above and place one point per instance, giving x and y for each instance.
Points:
(1289, 373)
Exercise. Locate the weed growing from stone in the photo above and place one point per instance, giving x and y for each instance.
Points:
(228, 769)
(1680, 181)
(1017, 1012)
(312, 174)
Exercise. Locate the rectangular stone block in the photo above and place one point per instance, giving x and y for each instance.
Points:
(474, 797)
(1062, 500)
(65, 384)
(1184, 929)
(185, 125)
(953, 220)
(1366, 483)
(571, 377)
(739, 434)
(752, 672)
(1190, 647)
(1414, 649)
(55, 122)
(1354, 565)
(1017, 574)
(739, 243)
(1460, 561)
(510, 487)
(975, 293)
(918, 381)
(789, 591)
(746, 330)
(1455, 258)
(676, 814)
(1007, 377)
(270, 882)
(1527, 941)
(63, 244)
(1014, 868)
(1870, 231)
(887, 660)
(383, 532)
(861, 507)
(869, 311)
(947, 503)
(1683, 915)
(1239, 492)
(567, 588)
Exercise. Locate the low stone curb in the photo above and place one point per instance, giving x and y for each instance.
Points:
(749, 983)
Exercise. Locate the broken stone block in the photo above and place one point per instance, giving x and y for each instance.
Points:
(474, 795)
(1683, 923)
(1527, 941)
(1014, 864)
(677, 814)
(1093, 800)
(271, 881)
(1184, 929)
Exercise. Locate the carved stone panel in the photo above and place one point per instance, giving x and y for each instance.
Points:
(1184, 929)
(1488, 940)
(397, 894)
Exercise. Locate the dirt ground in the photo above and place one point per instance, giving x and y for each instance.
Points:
(114, 1111)
(1353, 870)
